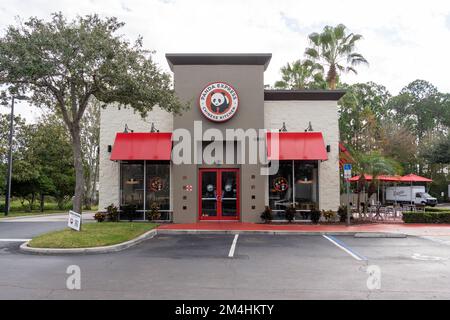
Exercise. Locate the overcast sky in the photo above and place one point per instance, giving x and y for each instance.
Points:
(403, 39)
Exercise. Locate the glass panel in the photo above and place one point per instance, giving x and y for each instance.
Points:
(280, 189)
(229, 194)
(132, 184)
(158, 187)
(306, 186)
(209, 194)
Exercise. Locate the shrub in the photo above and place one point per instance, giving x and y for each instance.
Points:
(426, 217)
(315, 216)
(112, 212)
(342, 213)
(266, 215)
(329, 215)
(154, 212)
(431, 209)
(100, 216)
(289, 213)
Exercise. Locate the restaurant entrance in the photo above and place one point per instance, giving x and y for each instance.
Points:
(219, 194)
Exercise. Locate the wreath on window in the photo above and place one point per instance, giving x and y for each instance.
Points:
(280, 184)
(156, 184)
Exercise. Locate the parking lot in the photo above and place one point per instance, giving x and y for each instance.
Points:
(225, 266)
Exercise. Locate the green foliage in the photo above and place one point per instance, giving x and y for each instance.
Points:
(342, 213)
(426, 217)
(315, 216)
(301, 75)
(154, 213)
(329, 215)
(362, 111)
(290, 213)
(112, 212)
(100, 216)
(335, 47)
(266, 215)
(63, 64)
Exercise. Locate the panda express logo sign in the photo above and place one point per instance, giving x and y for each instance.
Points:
(219, 101)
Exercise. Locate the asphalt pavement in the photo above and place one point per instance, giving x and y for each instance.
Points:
(208, 267)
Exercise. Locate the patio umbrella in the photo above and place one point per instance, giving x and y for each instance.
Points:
(368, 177)
(413, 178)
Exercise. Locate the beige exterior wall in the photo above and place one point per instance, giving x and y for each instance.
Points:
(324, 118)
(112, 121)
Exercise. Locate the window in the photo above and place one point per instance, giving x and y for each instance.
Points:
(296, 183)
(156, 188)
(158, 185)
(132, 184)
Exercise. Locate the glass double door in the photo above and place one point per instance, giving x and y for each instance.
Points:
(219, 194)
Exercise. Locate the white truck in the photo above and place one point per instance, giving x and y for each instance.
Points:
(409, 194)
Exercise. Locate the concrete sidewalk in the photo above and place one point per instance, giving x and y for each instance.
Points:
(408, 229)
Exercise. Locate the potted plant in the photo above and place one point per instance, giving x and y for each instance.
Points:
(100, 216)
(329, 215)
(315, 216)
(154, 213)
(112, 213)
(266, 215)
(289, 213)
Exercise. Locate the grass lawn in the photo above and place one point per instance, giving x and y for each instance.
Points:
(92, 235)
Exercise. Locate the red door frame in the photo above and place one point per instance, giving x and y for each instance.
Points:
(218, 172)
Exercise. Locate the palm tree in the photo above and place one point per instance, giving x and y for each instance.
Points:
(301, 75)
(373, 164)
(334, 48)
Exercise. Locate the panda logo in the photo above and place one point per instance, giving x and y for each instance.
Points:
(219, 102)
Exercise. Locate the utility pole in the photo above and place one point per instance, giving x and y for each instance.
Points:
(9, 172)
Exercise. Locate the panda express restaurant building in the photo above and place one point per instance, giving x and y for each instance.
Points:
(225, 91)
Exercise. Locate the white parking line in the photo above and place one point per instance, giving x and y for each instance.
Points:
(233, 246)
(342, 246)
(14, 240)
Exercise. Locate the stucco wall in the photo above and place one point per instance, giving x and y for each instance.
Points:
(324, 118)
(113, 120)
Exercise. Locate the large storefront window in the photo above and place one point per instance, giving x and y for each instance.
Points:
(296, 183)
(132, 184)
(158, 188)
(134, 191)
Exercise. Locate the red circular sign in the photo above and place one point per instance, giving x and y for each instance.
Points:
(218, 101)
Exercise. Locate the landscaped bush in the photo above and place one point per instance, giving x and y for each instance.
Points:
(100, 216)
(112, 213)
(315, 216)
(290, 213)
(329, 215)
(432, 209)
(426, 217)
(266, 215)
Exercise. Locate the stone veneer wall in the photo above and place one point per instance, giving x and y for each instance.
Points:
(112, 121)
(324, 118)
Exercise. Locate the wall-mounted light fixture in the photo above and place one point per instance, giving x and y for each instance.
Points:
(283, 128)
(153, 128)
(127, 129)
(328, 148)
(109, 148)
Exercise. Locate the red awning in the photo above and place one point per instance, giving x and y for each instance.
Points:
(296, 146)
(142, 146)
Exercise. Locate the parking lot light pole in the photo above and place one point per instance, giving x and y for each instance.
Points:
(9, 172)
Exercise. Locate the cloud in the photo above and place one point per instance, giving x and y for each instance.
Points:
(398, 35)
